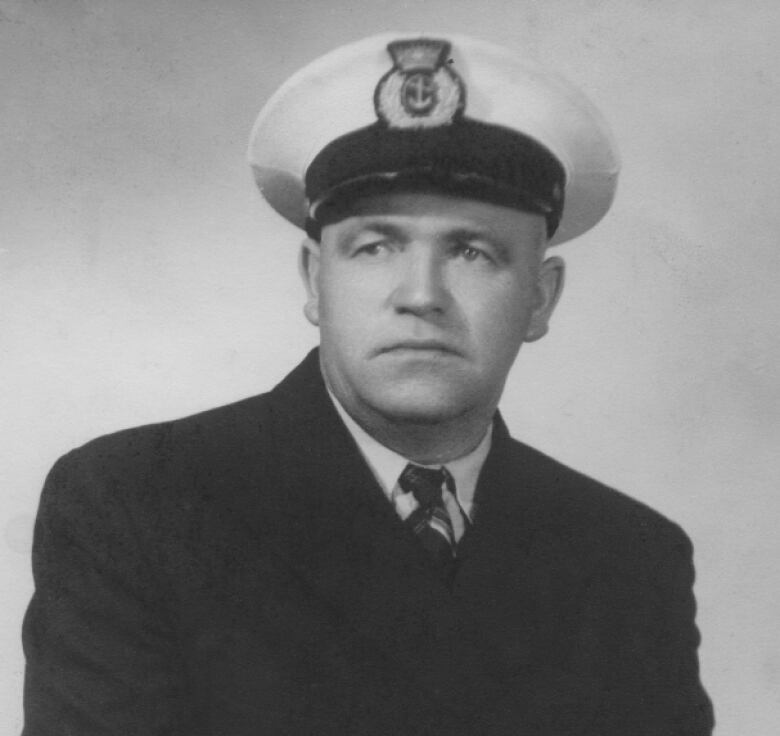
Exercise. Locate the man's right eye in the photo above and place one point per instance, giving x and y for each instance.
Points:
(373, 248)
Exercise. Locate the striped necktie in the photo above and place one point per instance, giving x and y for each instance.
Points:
(430, 521)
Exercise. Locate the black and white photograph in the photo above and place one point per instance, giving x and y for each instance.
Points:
(389, 368)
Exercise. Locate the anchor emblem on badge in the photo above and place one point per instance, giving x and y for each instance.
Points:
(421, 90)
(419, 93)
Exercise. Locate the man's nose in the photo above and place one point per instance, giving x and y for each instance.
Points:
(421, 288)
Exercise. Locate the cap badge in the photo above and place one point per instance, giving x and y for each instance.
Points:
(421, 90)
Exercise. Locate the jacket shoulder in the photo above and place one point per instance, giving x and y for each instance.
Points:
(179, 433)
(191, 439)
(160, 470)
(578, 501)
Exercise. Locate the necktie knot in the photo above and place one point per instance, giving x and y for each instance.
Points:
(424, 484)
(431, 521)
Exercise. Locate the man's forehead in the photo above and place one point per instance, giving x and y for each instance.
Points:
(433, 213)
(431, 203)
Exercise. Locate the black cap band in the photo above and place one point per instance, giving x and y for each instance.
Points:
(465, 158)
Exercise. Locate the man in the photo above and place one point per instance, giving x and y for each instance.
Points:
(364, 549)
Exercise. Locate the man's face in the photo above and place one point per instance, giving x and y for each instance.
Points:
(423, 301)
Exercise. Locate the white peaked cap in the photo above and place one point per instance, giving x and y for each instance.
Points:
(334, 95)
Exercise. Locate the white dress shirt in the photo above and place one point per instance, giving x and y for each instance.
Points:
(388, 465)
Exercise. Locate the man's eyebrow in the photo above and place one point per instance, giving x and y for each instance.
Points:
(379, 227)
(369, 227)
(455, 235)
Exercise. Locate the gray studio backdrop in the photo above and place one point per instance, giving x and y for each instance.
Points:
(142, 278)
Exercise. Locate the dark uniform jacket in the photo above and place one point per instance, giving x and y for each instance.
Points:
(241, 572)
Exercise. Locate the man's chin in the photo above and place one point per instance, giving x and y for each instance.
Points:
(419, 407)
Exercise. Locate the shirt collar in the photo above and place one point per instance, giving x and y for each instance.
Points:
(388, 465)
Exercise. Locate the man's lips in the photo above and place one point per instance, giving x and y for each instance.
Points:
(422, 346)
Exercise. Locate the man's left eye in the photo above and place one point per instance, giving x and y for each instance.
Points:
(371, 249)
(470, 252)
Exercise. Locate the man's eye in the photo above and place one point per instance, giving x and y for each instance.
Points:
(470, 253)
(371, 249)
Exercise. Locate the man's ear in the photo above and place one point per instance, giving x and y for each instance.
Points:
(309, 268)
(549, 288)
